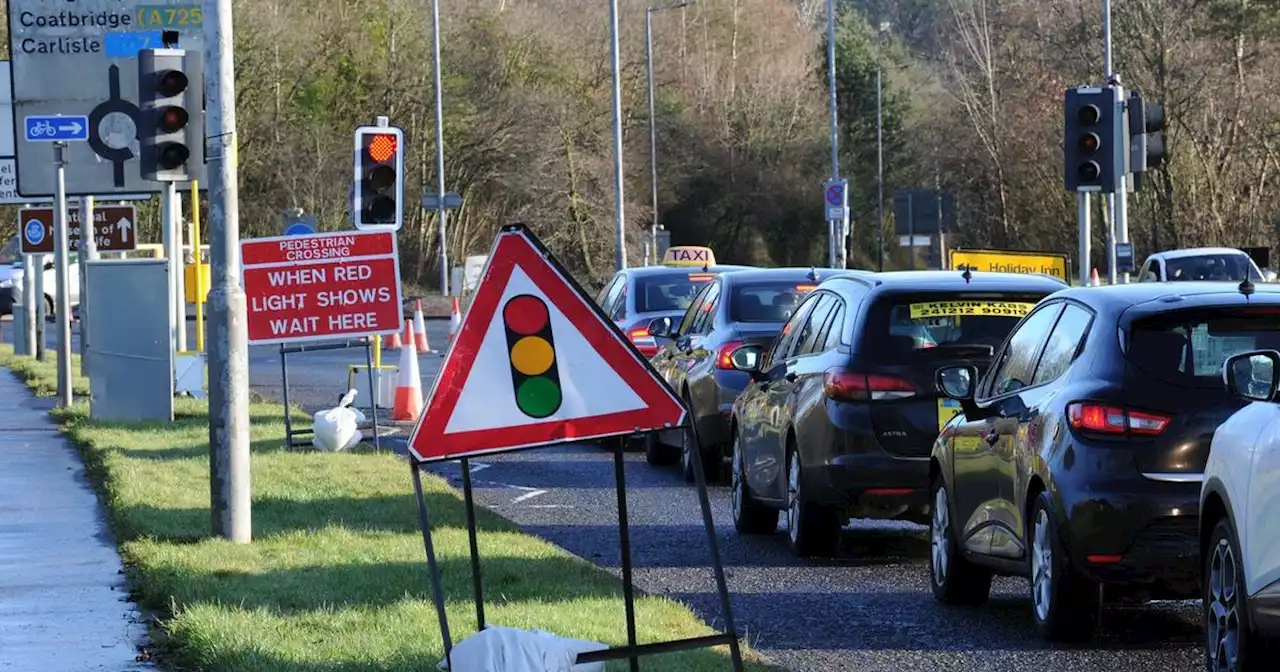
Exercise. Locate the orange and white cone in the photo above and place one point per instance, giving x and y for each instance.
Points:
(391, 342)
(455, 320)
(420, 329)
(1093, 278)
(408, 404)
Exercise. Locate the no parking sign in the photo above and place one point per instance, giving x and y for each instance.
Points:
(836, 199)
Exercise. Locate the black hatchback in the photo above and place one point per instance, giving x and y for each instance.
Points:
(1078, 458)
(842, 412)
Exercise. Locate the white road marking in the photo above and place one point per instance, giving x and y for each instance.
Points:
(528, 495)
(479, 466)
(550, 506)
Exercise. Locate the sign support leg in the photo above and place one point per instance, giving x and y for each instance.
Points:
(624, 536)
(726, 606)
(284, 389)
(41, 308)
(433, 567)
(475, 548)
(62, 266)
(373, 391)
(88, 252)
(29, 300)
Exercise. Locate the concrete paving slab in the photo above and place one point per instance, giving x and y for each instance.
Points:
(63, 599)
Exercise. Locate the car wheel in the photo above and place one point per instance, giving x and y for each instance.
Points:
(1230, 644)
(956, 580)
(749, 517)
(812, 530)
(656, 454)
(1064, 604)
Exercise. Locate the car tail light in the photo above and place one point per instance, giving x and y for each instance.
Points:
(724, 356)
(853, 386)
(1114, 420)
(644, 341)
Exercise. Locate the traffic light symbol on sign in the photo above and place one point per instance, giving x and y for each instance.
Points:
(535, 375)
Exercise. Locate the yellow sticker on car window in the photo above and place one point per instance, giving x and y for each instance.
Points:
(947, 409)
(932, 309)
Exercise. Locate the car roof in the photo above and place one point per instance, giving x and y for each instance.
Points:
(1195, 252)
(794, 274)
(1171, 295)
(926, 281)
(656, 271)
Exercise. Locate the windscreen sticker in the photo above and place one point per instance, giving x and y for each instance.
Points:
(932, 309)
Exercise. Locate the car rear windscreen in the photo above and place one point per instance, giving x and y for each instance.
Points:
(1189, 348)
(766, 301)
(902, 325)
(1211, 267)
(669, 292)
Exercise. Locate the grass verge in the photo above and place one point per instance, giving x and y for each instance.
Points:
(336, 576)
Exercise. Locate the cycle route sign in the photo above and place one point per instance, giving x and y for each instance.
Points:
(75, 79)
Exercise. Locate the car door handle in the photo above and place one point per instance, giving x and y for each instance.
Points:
(991, 437)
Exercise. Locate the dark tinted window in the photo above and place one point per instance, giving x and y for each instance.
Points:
(811, 336)
(707, 310)
(901, 325)
(691, 315)
(1212, 267)
(1018, 361)
(835, 327)
(766, 301)
(1063, 344)
(784, 344)
(1189, 349)
(671, 293)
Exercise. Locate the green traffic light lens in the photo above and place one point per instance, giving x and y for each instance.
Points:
(1089, 115)
(1089, 172)
(382, 178)
(538, 397)
(379, 209)
(172, 155)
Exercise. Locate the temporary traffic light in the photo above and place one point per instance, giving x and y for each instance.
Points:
(378, 194)
(534, 373)
(171, 126)
(1093, 146)
(1146, 121)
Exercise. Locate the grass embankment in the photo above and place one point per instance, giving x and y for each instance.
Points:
(336, 576)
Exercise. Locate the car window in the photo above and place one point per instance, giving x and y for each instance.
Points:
(620, 303)
(835, 327)
(690, 315)
(766, 301)
(1212, 267)
(607, 292)
(669, 292)
(1018, 360)
(810, 338)
(706, 312)
(1188, 348)
(898, 325)
(782, 345)
(1064, 344)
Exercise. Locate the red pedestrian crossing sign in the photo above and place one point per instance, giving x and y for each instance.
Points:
(535, 363)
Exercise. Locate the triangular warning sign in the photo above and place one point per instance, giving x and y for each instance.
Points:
(536, 362)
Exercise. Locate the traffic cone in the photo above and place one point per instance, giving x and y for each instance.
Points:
(391, 341)
(408, 404)
(1093, 278)
(420, 329)
(455, 320)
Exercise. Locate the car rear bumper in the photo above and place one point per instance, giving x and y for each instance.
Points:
(1144, 538)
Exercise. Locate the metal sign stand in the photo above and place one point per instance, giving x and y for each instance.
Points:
(286, 350)
(632, 651)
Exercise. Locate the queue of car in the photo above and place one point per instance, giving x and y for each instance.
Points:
(1106, 443)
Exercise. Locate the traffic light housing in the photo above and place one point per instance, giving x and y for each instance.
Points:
(1094, 149)
(171, 124)
(378, 191)
(1146, 149)
(535, 376)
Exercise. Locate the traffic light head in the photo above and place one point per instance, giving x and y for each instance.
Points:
(379, 178)
(535, 377)
(171, 127)
(1092, 140)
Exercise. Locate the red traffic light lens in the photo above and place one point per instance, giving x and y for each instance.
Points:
(172, 119)
(1090, 171)
(1089, 115)
(381, 147)
(525, 315)
(172, 155)
(382, 178)
(171, 83)
(1089, 143)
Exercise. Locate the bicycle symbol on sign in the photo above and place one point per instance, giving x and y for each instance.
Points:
(43, 128)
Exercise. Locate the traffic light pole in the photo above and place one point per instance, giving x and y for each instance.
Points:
(88, 252)
(228, 333)
(440, 209)
(620, 257)
(1083, 213)
(62, 271)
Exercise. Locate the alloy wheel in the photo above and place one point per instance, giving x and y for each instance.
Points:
(793, 498)
(735, 492)
(938, 537)
(1222, 631)
(1042, 566)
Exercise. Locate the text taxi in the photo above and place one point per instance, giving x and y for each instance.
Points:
(689, 255)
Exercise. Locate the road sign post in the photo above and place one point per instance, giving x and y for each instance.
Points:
(62, 270)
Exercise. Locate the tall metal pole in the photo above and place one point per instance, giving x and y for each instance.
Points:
(29, 274)
(880, 161)
(1086, 232)
(620, 258)
(179, 273)
(41, 308)
(172, 246)
(62, 271)
(653, 127)
(444, 214)
(88, 252)
(835, 131)
(228, 334)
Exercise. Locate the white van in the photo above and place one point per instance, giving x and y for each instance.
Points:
(11, 276)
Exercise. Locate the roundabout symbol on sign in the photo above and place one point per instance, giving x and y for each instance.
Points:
(34, 231)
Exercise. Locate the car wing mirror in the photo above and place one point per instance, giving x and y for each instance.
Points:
(660, 327)
(748, 358)
(1252, 376)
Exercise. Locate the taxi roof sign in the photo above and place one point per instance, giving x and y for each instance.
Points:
(689, 255)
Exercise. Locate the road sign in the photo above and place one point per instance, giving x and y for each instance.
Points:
(836, 198)
(78, 61)
(452, 201)
(321, 287)
(300, 229)
(57, 129)
(114, 228)
(534, 363)
(1011, 261)
(1124, 258)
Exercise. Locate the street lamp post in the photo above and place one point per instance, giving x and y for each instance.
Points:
(884, 26)
(653, 128)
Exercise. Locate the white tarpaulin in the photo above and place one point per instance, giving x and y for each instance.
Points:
(499, 649)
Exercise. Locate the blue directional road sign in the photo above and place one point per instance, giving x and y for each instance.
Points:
(57, 128)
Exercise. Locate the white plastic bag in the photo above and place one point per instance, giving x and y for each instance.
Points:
(336, 428)
(499, 649)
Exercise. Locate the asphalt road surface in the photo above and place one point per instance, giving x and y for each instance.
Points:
(868, 610)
